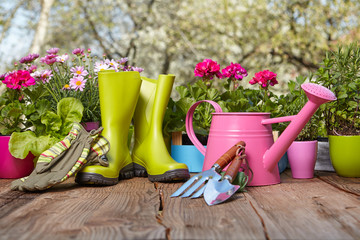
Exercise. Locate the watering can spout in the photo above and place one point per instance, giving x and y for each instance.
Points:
(317, 95)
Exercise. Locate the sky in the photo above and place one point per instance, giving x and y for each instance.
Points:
(16, 42)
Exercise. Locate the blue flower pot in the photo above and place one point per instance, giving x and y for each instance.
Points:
(189, 155)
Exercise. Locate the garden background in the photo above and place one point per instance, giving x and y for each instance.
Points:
(172, 36)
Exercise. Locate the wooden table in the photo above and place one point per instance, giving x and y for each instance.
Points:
(325, 207)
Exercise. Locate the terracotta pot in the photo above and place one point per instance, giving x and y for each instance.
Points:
(302, 157)
(11, 167)
(344, 155)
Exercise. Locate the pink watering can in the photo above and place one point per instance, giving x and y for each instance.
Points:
(254, 128)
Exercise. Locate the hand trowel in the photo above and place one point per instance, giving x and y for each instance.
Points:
(217, 191)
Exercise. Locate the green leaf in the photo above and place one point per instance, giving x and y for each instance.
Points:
(42, 143)
(43, 106)
(342, 95)
(70, 110)
(20, 143)
(352, 104)
(52, 121)
(183, 91)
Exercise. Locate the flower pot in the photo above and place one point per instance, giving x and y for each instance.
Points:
(90, 125)
(302, 157)
(344, 155)
(11, 167)
(188, 154)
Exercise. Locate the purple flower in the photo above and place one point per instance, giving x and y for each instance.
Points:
(78, 51)
(49, 59)
(122, 61)
(32, 68)
(137, 69)
(29, 58)
(53, 51)
(234, 71)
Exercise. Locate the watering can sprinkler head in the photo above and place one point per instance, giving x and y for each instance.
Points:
(317, 93)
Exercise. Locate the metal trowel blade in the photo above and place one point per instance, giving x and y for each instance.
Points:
(219, 191)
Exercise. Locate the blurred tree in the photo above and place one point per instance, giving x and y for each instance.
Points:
(171, 36)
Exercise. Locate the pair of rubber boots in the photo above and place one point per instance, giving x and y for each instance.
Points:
(125, 96)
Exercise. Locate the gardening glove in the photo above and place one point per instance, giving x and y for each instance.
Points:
(65, 158)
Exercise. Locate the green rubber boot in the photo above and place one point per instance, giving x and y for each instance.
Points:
(150, 155)
(118, 93)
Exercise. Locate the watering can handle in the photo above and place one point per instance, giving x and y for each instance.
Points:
(189, 124)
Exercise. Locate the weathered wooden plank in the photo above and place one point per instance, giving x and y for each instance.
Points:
(193, 219)
(306, 209)
(351, 185)
(126, 210)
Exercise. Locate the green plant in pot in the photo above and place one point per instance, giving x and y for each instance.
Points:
(302, 153)
(340, 72)
(27, 116)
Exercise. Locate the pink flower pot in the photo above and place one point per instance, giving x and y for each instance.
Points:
(90, 125)
(11, 167)
(302, 157)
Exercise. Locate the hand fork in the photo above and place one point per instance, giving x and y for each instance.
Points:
(212, 173)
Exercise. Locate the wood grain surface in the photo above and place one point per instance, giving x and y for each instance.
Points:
(325, 207)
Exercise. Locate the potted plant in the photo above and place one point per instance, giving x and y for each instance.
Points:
(340, 72)
(26, 115)
(302, 153)
(13, 111)
(182, 149)
(41, 103)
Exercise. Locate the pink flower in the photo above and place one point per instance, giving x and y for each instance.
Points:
(77, 83)
(208, 69)
(101, 66)
(137, 69)
(62, 58)
(122, 61)
(113, 64)
(19, 79)
(234, 71)
(79, 71)
(264, 79)
(49, 59)
(78, 51)
(46, 75)
(53, 51)
(29, 58)
(2, 76)
(31, 68)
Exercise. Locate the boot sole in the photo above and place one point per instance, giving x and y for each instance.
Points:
(168, 176)
(86, 178)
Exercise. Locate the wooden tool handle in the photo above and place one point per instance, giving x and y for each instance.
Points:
(227, 157)
(234, 167)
